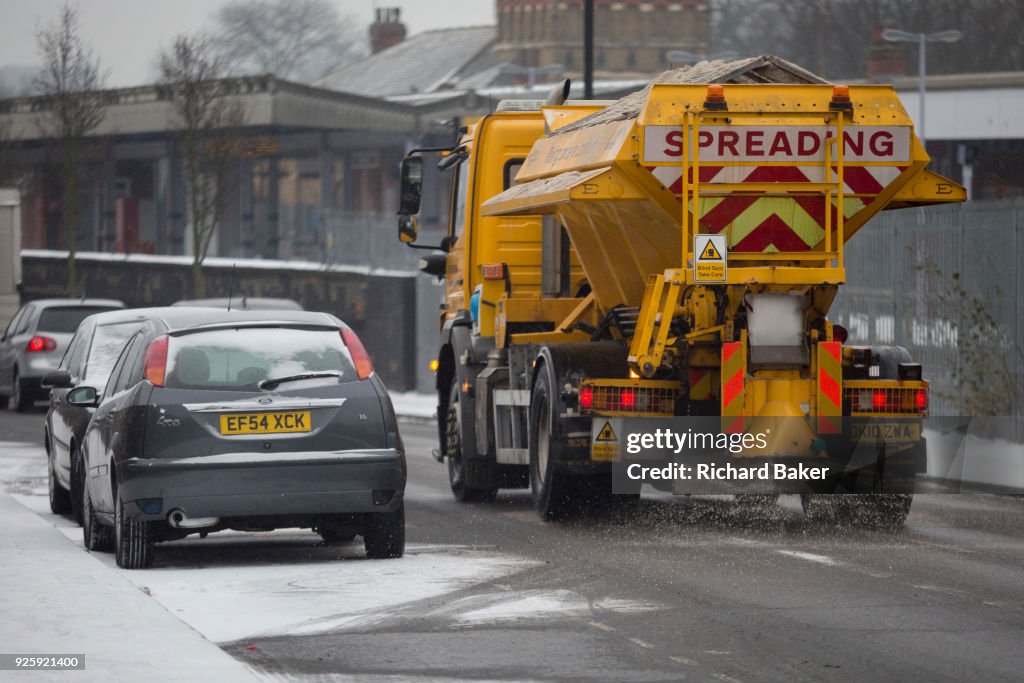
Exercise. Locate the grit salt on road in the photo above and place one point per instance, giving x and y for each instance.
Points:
(684, 589)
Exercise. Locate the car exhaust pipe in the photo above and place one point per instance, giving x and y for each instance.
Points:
(177, 519)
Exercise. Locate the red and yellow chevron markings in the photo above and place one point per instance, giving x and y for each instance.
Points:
(700, 384)
(830, 387)
(734, 372)
(788, 223)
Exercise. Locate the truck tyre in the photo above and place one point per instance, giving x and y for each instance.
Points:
(464, 476)
(552, 489)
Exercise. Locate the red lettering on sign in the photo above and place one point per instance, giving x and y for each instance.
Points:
(854, 145)
(807, 143)
(727, 139)
(674, 140)
(881, 143)
(704, 139)
(755, 143)
(780, 145)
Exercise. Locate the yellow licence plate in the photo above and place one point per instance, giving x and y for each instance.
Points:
(886, 432)
(265, 423)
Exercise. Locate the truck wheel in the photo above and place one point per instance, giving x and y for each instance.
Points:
(552, 492)
(461, 474)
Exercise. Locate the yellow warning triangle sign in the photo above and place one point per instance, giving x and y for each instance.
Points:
(710, 253)
(607, 434)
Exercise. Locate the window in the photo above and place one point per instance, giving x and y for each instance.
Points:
(512, 167)
(72, 361)
(120, 370)
(13, 325)
(459, 201)
(240, 358)
(25, 320)
(66, 319)
(107, 342)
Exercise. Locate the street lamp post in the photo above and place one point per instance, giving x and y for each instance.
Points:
(893, 35)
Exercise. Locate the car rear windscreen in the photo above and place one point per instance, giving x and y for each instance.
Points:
(241, 358)
(66, 319)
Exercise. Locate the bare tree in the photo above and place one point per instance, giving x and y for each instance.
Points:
(70, 85)
(208, 118)
(293, 39)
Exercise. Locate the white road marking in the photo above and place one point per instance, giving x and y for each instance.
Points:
(726, 678)
(641, 643)
(811, 557)
(718, 652)
(683, 660)
(603, 627)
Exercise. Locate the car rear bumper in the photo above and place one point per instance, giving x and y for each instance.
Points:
(263, 484)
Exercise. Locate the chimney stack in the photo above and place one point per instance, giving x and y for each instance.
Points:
(387, 28)
(886, 59)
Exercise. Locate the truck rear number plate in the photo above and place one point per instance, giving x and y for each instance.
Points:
(264, 423)
(888, 432)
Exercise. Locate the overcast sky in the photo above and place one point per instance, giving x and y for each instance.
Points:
(128, 34)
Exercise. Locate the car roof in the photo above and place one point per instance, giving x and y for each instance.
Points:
(125, 315)
(49, 303)
(244, 303)
(184, 317)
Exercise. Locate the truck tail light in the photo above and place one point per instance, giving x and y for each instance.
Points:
(361, 359)
(586, 398)
(494, 271)
(40, 344)
(921, 400)
(156, 361)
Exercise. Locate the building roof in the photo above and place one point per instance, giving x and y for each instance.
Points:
(426, 62)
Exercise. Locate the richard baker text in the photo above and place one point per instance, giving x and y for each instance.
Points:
(727, 472)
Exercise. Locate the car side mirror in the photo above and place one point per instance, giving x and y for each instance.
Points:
(84, 397)
(58, 379)
(411, 186)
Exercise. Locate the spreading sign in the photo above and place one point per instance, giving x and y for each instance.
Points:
(801, 144)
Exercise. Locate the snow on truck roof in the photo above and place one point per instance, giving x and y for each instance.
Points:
(763, 69)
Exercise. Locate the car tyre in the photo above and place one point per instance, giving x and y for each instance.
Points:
(21, 401)
(60, 498)
(133, 539)
(95, 536)
(77, 482)
(385, 534)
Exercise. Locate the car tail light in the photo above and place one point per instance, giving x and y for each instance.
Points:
(40, 344)
(364, 366)
(156, 361)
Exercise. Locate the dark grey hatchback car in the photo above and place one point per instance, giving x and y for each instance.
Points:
(248, 420)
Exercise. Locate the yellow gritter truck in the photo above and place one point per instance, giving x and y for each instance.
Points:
(673, 253)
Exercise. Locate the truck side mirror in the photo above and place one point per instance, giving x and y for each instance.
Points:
(412, 186)
(408, 228)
